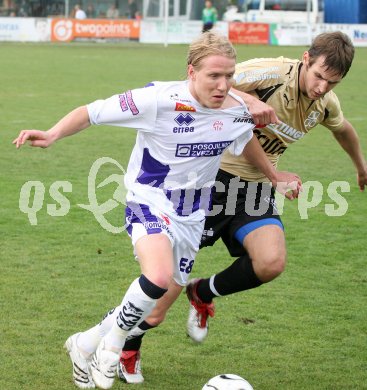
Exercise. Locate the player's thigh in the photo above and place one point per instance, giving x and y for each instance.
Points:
(266, 243)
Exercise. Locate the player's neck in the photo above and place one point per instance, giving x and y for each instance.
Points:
(230, 102)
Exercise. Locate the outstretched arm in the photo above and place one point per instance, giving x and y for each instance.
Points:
(72, 123)
(287, 183)
(349, 141)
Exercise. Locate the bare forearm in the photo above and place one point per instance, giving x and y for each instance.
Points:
(287, 183)
(349, 141)
(73, 122)
(70, 124)
(256, 156)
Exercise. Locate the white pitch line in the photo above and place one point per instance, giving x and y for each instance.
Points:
(357, 119)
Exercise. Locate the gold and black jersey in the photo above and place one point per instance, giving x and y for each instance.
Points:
(275, 81)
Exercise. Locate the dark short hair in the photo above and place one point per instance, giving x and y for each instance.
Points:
(337, 48)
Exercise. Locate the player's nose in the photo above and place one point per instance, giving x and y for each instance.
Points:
(323, 85)
(223, 84)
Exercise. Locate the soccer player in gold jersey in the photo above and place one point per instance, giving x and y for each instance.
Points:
(300, 92)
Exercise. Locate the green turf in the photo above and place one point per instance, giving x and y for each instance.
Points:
(306, 330)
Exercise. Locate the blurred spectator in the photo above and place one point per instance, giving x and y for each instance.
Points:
(55, 9)
(138, 15)
(90, 11)
(79, 12)
(23, 9)
(209, 16)
(112, 12)
(133, 9)
(10, 8)
(37, 9)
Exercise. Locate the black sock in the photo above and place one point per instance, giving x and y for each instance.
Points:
(239, 276)
(134, 343)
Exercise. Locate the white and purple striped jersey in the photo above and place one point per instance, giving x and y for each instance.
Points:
(178, 146)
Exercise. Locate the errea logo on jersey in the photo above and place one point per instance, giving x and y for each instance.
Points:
(184, 119)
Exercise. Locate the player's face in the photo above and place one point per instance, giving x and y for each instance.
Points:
(209, 84)
(316, 80)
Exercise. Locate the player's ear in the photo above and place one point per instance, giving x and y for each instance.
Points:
(306, 59)
(191, 72)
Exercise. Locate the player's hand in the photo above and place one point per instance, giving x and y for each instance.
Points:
(288, 184)
(362, 178)
(37, 138)
(262, 113)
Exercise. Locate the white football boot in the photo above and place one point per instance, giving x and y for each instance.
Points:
(103, 366)
(81, 374)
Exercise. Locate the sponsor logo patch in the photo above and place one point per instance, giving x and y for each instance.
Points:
(184, 107)
(127, 101)
(312, 119)
(218, 125)
(201, 149)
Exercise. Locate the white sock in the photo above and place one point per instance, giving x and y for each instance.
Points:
(135, 307)
(88, 341)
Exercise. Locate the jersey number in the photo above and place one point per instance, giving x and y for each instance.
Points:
(186, 265)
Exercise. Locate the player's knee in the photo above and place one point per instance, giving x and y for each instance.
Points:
(277, 266)
(269, 267)
(159, 279)
(153, 288)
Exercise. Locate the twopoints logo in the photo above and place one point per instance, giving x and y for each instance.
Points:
(63, 30)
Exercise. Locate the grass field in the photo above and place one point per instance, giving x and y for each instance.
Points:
(306, 330)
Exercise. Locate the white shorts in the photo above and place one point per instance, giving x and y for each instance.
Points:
(185, 237)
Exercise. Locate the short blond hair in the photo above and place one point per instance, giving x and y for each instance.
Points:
(209, 43)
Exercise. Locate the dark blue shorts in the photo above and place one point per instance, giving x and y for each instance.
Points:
(240, 207)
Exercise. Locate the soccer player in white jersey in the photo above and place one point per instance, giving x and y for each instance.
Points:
(182, 130)
(300, 93)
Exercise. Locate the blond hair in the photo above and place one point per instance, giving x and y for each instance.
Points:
(209, 43)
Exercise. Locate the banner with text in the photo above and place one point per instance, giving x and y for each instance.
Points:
(356, 32)
(64, 30)
(176, 31)
(290, 34)
(25, 29)
(249, 33)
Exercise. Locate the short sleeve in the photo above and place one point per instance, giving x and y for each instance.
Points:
(237, 146)
(136, 108)
(333, 116)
